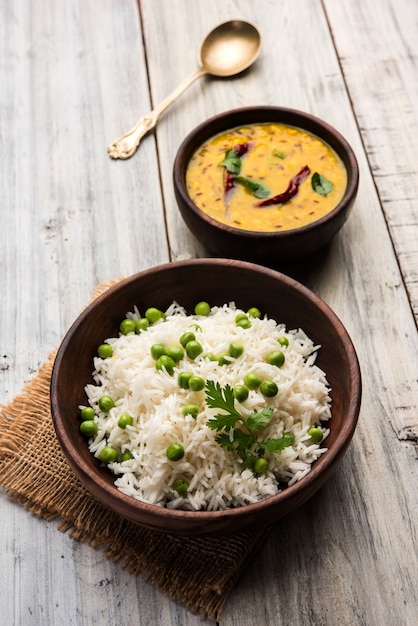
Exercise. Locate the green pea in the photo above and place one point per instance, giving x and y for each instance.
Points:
(275, 358)
(127, 326)
(240, 392)
(142, 324)
(316, 435)
(210, 356)
(235, 349)
(244, 323)
(108, 455)
(176, 353)
(186, 337)
(261, 466)
(248, 460)
(153, 315)
(125, 420)
(106, 403)
(223, 359)
(157, 350)
(268, 388)
(240, 316)
(196, 327)
(196, 383)
(127, 456)
(183, 379)
(202, 308)
(175, 452)
(88, 428)
(252, 380)
(105, 351)
(283, 341)
(165, 362)
(193, 349)
(254, 312)
(191, 409)
(180, 486)
(87, 413)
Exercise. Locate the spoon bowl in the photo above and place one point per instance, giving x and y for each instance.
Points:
(226, 51)
(230, 49)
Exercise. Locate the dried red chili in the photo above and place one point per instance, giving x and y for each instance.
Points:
(232, 164)
(241, 148)
(228, 181)
(291, 190)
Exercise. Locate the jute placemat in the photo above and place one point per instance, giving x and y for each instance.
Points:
(199, 573)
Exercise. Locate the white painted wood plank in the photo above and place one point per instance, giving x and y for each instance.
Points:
(70, 213)
(378, 47)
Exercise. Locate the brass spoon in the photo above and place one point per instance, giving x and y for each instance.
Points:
(227, 50)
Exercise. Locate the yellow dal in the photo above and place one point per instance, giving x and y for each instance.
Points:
(205, 177)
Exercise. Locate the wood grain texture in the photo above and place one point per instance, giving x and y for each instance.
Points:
(72, 84)
(74, 78)
(379, 58)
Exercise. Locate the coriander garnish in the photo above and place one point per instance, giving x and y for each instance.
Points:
(238, 433)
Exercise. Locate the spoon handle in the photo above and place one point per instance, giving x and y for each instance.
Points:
(126, 146)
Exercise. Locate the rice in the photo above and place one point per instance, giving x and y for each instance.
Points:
(217, 478)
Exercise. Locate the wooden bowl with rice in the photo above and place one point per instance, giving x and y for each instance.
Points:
(225, 284)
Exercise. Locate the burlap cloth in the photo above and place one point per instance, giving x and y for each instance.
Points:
(199, 572)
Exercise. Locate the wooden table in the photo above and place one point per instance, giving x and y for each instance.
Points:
(77, 74)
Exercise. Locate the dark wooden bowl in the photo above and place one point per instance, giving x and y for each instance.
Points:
(217, 281)
(269, 248)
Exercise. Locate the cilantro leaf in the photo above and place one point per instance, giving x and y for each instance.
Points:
(222, 420)
(321, 185)
(232, 161)
(277, 445)
(240, 441)
(218, 397)
(257, 189)
(243, 441)
(257, 420)
(224, 440)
